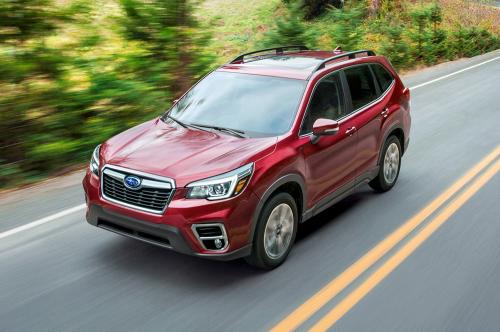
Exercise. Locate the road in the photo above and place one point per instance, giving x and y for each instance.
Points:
(444, 275)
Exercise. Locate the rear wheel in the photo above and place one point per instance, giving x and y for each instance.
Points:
(389, 165)
(275, 232)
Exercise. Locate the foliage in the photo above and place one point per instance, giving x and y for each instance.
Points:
(410, 34)
(173, 40)
(436, 48)
(290, 30)
(73, 75)
(346, 28)
(62, 96)
(314, 8)
(36, 93)
(468, 42)
(427, 35)
(395, 47)
(419, 34)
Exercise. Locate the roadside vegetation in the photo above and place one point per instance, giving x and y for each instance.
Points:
(73, 73)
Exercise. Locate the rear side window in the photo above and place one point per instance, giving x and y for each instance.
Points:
(384, 78)
(361, 86)
(326, 102)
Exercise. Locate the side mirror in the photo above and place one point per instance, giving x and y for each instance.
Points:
(175, 101)
(324, 127)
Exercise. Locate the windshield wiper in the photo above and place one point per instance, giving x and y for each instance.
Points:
(175, 120)
(234, 132)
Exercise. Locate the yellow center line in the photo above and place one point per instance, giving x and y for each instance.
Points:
(324, 295)
(383, 271)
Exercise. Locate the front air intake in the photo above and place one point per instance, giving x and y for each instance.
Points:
(134, 233)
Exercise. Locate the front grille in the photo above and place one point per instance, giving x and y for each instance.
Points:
(152, 197)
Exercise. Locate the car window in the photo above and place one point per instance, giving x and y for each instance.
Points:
(326, 102)
(384, 78)
(257, 105)
(361, 86)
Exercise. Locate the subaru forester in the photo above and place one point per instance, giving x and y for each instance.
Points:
(259, 145)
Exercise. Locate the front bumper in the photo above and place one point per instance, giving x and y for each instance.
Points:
(158, 234)
(174, 228)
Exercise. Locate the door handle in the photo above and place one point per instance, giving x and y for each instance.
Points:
(350, 131)
(385, 112)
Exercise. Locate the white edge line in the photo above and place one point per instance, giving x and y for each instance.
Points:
(42, 221)
(82, 206)
(453, 74)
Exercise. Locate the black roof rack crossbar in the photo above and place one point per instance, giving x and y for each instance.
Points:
(350, 55)
(277, 50)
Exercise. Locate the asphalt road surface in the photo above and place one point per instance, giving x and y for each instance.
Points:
(422, 257)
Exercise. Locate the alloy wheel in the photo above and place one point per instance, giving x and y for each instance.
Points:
(279, 231)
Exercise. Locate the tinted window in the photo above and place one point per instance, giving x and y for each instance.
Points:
(258, 105)
(383, 77)
(326, 102)
(361, 86)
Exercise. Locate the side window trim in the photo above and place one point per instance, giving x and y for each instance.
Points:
(375, 101)
(370, 104)
(378, 89)
(347, 94)
(372, 66)
(374, 80)
(343, 100)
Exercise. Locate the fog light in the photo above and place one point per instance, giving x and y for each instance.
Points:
(218, 243)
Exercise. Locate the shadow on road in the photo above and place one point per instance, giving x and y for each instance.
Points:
(333, 213)
(164, 267)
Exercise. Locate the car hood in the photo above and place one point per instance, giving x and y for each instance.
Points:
(184, 154)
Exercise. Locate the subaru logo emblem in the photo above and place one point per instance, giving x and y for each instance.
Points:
(132, 182)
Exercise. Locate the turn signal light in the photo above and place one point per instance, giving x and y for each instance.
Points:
(241, 185)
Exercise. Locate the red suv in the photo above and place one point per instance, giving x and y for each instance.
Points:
(256, 147)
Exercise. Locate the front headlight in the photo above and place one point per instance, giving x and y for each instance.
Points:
(94, 161)
(221, 186)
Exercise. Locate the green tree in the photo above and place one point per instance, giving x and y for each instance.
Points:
(436, 47)
(347, 29)
(428, 37)
(472, 41)
(395, 47)
(34, 87)
(174, 43)
(59, 98)
(419, 34)
(289, 30)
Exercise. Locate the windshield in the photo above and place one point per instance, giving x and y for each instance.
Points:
(258, 105)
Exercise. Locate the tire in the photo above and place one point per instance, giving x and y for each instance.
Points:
(264, 254)
(388, 172)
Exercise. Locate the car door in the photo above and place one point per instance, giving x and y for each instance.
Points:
(369, 108)
(329, 161)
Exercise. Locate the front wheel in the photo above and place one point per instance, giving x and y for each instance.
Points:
(389, 165)
(275, 232)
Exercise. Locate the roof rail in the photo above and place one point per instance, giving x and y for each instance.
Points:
(350, 55)
(277, 50)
